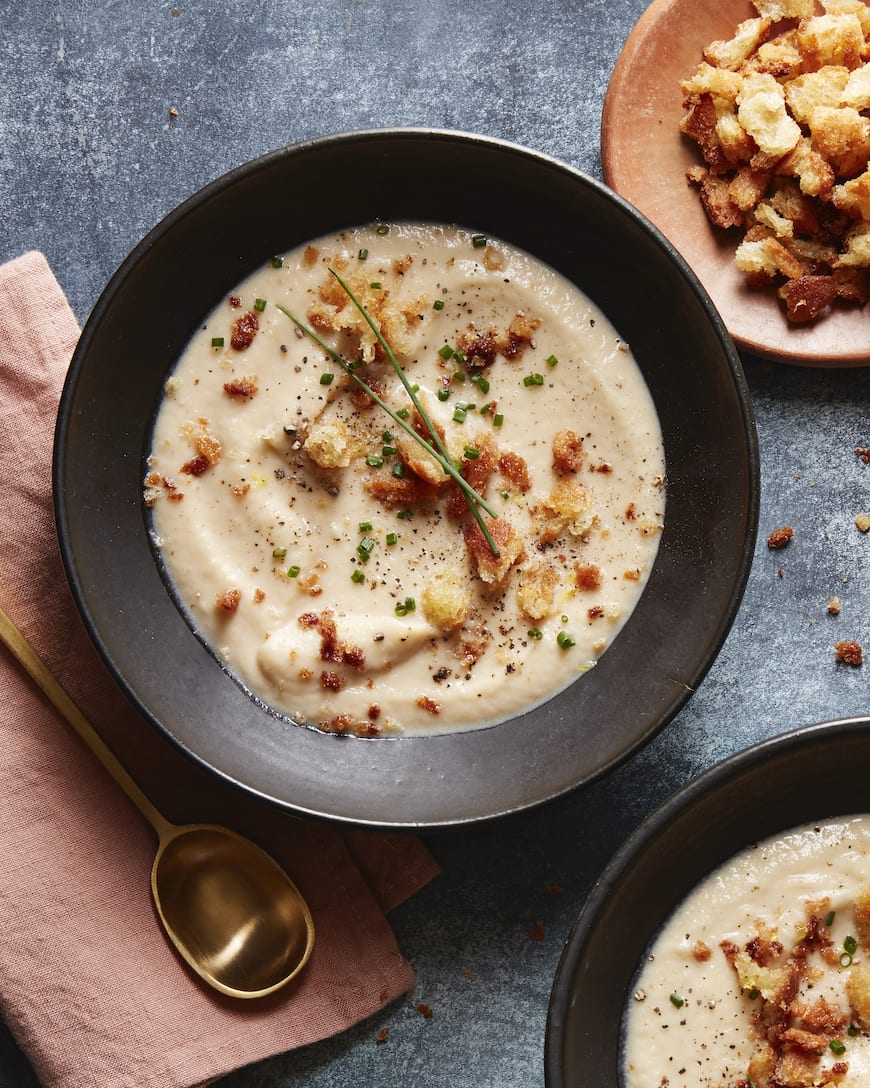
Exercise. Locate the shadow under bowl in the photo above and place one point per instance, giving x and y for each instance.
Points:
(142, 323)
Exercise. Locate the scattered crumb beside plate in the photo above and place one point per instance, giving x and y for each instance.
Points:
(645, 158)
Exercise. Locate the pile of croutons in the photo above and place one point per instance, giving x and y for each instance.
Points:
(781, 114)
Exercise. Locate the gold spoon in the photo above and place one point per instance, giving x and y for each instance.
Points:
(231, 911)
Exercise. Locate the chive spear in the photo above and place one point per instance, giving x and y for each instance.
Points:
(472, 497)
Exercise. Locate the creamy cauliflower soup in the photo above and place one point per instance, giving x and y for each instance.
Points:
(406, 479)
(762, 976)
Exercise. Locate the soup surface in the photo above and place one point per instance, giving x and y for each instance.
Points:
(762, 975)
(331, 560)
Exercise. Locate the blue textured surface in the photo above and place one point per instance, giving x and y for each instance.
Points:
(91, 158)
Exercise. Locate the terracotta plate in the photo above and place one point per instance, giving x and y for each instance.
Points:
(645, 159)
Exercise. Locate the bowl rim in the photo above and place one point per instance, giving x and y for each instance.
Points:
(678, 804)
(192, 204)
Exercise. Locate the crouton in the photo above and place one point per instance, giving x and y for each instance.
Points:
(831, 39)
(446, 601)
(857, 251)
(494, 568)
(775, 10)
(764, 110)
(568, 453)
(536, 590)
(761, 111)
(733, 52)
(330, 445)
(566, 509)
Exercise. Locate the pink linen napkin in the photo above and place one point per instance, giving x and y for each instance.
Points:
(88, 983)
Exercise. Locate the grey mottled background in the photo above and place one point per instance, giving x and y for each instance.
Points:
(91, 158)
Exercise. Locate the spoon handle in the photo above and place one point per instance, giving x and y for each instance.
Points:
(28, 658)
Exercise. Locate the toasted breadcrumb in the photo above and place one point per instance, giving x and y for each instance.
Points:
(566, 508)
(780, 537)
(536, 590)
(849, 653)
(229, 600)
(763, 109)
(492, 568)
(446, 601)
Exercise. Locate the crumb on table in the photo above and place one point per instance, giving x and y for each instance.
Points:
(849, 653)
(780, 537)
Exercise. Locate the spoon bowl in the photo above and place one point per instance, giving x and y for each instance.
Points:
(230, 910)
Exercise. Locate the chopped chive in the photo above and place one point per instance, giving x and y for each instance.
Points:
(505, 494)
(535, 633)
(566, 641)
(392, 538)
(387, 436)
(850, 945)
(753, 993)
(837, 1046)
(355, 364)
(375, 286)
(363, 253)
(677, 1001)
(829, 919)
(846, 960)
(277, 262)
(279, 553)
(326, 379)
(365, 526)
(365, 548)
(382, 228)
(374, 460)
(399, 469)
(478, 240)
(357, 576)
(443, 394)
(217, 341)
(552, 360)
(406, 606)
(459, 414)
(533, 379)
(476, 502)
(497, 419)
(446, 352)
(852, 1031)
(293, 572)
(471, 453)
(458, 355)
(405, 515)
(389, 451)
(481, 382)
(438, 304)
(260, 305)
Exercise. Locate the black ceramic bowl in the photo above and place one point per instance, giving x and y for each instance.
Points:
(814, 773)
(206, 246)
